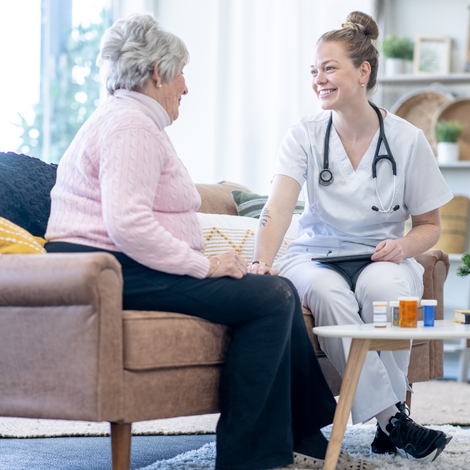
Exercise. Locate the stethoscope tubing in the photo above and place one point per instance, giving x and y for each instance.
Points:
(326, 176)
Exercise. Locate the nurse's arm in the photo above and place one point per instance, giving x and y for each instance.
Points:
(425, 232)
(274, 221)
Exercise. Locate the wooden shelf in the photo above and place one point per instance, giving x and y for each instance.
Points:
(411, 79)
(455, 165)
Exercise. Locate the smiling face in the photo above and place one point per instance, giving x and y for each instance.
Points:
(336, 81)
(169, 95)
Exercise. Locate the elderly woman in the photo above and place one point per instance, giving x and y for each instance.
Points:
(121, 188)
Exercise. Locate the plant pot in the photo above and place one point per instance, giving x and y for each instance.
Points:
(394, 66)
(447, 152)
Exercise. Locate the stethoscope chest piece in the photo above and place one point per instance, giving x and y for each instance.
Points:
(326, 177)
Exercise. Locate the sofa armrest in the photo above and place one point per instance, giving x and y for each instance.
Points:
(61, 336)
(436, 267)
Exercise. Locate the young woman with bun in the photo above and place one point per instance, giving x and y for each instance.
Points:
(357, 204)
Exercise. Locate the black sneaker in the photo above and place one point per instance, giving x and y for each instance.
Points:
(413, 441)
(381, 443)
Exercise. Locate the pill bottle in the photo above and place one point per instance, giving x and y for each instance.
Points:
(428, 311)
(380, 314)
(408, 312)
(395, 312)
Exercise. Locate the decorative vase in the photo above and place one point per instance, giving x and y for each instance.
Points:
(447, 152)
(394, 66)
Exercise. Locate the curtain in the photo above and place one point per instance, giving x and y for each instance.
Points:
(248, 79)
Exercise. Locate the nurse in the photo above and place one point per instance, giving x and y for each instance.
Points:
(349, 212)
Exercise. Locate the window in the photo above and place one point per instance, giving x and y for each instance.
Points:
(53, 85)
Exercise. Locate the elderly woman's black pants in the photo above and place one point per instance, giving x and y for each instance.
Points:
(272, 390)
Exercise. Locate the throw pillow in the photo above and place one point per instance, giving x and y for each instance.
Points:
(25, 191)
(223, 233)
(251, 204)
(15, 240)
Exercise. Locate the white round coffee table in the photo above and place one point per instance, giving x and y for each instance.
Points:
(367, 338)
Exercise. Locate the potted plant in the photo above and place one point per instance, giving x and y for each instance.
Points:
(397, 50)
(464, 270)
(447, 133)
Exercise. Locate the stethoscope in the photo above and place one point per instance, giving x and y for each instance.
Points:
(326, 176)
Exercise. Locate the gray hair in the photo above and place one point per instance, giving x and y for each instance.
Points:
(132, 46)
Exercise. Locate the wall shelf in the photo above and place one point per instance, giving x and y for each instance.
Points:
(455, 165)
(411, 79)
(453, 257)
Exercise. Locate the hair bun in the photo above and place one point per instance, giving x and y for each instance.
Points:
(364, 23)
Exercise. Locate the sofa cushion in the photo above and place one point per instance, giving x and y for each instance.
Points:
(216, 198)
(158, 340)
(223, 233)
(25, 191)
(15, 240)
(251, 204)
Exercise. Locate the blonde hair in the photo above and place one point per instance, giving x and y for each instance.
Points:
(358, 34)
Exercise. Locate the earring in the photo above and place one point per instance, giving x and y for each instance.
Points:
(362, 85)
(159, 85)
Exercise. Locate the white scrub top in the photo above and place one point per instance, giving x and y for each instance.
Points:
(339, 218)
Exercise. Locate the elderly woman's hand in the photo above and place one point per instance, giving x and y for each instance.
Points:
(229, 264)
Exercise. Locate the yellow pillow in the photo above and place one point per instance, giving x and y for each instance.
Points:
(16, 240)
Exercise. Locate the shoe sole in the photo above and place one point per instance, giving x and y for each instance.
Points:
(441, 443)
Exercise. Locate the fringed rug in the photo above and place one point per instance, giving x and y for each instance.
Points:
(356, 442)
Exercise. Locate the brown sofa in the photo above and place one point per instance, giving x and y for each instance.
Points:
(69, 351)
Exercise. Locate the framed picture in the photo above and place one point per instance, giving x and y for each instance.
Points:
(432, 55)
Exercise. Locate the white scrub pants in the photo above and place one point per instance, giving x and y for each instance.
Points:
(326, 293)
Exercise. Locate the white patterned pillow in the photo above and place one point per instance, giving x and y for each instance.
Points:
(223, 233)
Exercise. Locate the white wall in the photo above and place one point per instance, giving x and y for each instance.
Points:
(248, 80)
(431, 18)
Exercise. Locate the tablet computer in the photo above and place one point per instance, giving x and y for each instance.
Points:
(340, 259)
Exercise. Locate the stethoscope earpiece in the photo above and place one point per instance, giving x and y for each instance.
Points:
(376, 209)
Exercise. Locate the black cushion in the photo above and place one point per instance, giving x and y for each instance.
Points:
(25, 191)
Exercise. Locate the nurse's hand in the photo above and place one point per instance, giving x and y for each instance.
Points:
(259, 268)
(388, 250)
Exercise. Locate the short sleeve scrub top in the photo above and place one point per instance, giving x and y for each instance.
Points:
(338, 219)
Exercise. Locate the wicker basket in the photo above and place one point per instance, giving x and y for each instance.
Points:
(419, 108)
(454, 216)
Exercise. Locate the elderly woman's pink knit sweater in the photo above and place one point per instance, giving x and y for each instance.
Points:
(121, 187)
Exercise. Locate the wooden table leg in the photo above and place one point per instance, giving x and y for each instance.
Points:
(121, 445)
(356, 358)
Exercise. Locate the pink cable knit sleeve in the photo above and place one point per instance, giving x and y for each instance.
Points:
(130, 168)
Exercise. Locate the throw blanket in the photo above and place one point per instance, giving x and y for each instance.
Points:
(25, 191)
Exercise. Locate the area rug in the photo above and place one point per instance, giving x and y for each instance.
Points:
(434, 402)
(356, 442)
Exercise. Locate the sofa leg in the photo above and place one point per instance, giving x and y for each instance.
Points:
(408, 398)
(121, 445)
